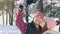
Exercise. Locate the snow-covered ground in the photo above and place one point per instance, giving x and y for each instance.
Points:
(56, 28)
(9, 30)
(4, 29)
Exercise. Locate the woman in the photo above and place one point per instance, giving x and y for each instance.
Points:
(37, 26)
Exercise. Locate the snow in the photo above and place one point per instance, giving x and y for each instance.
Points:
(9, 30)
(57, 32)
(14, 30)
(56, 28)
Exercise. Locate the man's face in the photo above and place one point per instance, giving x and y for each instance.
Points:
(38, 20)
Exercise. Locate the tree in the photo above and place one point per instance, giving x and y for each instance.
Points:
(2, 8)
(11, 8)
(7, 10)
(40, 5)
(47, 10)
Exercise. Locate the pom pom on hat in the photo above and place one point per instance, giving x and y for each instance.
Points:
(21, 6)
(50, 23)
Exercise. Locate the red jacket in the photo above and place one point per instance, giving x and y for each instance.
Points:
(19, 21)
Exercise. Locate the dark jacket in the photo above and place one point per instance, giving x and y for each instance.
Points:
(31, 29)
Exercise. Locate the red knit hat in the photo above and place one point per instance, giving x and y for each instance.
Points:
(38, 14)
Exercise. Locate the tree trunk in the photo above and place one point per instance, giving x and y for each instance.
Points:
(40, 5)
(7, 10)
(3, 16)
(11, 11)
(27, 13)
(7, 17)
(11, 18)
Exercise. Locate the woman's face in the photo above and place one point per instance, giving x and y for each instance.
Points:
(38, 20)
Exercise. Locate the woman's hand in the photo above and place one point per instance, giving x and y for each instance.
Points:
(43, 22)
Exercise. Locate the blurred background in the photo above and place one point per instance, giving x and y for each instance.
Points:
(8, 9)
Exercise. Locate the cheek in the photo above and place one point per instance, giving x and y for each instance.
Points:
(36, 21)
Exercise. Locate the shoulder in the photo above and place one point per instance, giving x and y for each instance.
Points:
(30, 24)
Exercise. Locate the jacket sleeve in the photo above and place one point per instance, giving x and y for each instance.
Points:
(20, 23)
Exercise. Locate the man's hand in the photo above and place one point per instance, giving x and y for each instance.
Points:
(49, 32)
